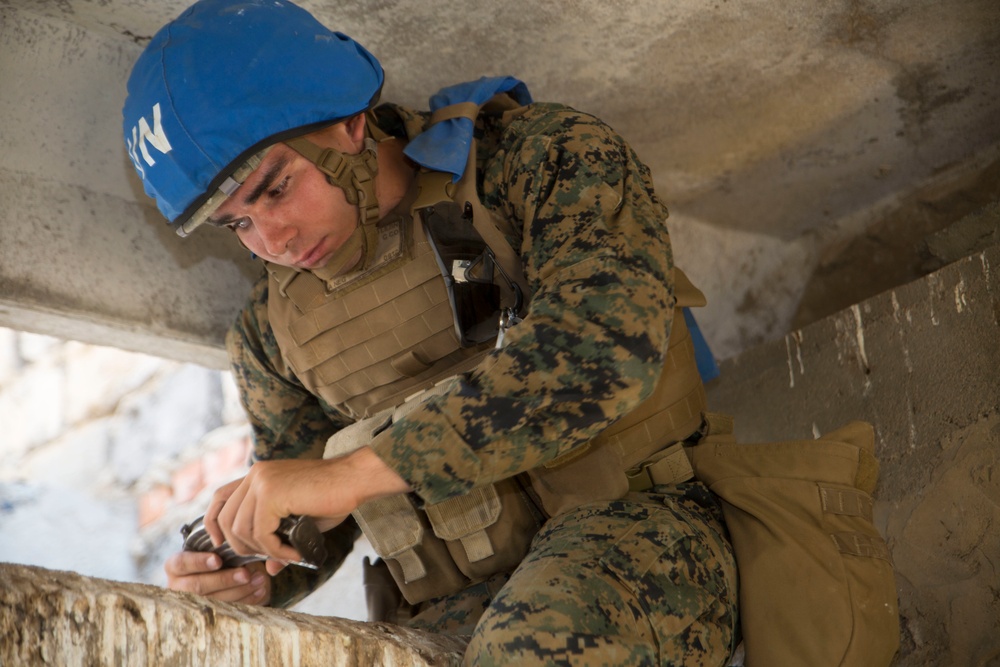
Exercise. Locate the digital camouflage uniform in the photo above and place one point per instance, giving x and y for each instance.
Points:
(647, 579)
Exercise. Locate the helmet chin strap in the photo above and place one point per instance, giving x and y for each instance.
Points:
(355, 175)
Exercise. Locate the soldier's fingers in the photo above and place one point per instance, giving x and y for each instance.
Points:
(237, 521)
(215, 507)
(232, 517)
(227, 585)
(256, 596)
(260, 589)
(274, 566)
(185, 563)
(265, 525)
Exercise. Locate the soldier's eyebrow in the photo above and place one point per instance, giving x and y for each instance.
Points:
(265, 184)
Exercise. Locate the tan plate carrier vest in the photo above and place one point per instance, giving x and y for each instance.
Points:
(367, 341)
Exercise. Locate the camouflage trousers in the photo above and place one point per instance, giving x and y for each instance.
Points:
(646, 580)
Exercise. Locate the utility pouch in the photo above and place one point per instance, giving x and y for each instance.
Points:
(816, 580)
(441, 550)
(488, 530)
(419, 561)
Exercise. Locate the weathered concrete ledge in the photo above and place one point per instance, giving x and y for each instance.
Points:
(62, 618)
(922, 363)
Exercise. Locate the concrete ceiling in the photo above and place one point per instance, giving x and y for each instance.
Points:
(779, 133)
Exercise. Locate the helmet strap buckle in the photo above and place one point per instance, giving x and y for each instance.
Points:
(354, 174)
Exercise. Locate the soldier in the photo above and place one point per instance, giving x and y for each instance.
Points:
(467, 342)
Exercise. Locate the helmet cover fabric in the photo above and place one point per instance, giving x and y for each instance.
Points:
(445, 145)
(224, 80)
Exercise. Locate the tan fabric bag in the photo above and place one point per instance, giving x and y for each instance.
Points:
(816, 580)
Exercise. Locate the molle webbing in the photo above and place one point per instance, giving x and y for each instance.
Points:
(392, 333)
(375, 344)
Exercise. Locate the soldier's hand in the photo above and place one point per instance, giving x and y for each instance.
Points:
(247, 512)
(202, 573)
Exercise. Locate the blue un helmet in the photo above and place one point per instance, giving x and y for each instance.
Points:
(224, 81)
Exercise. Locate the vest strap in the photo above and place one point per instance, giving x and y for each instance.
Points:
(508, 260)
(413, 567)
(717, 424)
(859, 544)
(468, 110)
(671, 466)
(846, 502)
(438, 186)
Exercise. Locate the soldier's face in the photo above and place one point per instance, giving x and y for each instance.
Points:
(287, 213)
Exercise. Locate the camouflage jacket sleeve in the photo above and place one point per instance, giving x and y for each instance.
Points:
(287, 422)
(597, 257)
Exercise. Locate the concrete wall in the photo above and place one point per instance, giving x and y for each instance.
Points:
(777, 131)
(920, 363)
(781, 134)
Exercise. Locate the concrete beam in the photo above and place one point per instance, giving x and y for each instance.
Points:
(920, 363)
(62, 618)
(775, 132)
(83, 254)
(90, 266)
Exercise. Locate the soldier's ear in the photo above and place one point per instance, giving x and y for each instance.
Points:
(355, 130)
(347, 136)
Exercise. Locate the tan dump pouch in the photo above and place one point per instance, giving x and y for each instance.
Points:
(603, 468)
(816, 580)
